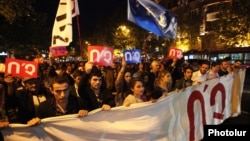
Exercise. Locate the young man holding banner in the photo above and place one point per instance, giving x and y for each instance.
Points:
(62, 103)
(92, 89)
(201, 74)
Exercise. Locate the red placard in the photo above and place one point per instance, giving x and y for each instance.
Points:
(21, 68)
(58, 51)
(175, 53)
(39, 60)
(101, 56)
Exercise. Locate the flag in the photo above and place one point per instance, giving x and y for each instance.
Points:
(152, 17)
(62, 30)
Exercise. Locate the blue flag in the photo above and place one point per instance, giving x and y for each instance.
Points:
(152, 17)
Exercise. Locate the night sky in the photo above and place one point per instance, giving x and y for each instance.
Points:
(90, 11)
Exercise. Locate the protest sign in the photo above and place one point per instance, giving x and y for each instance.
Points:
(58, 51)
(100, 55)
(21, 68)
(132, 56)
(175, 53)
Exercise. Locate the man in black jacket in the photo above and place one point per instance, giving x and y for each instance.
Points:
(224, 65)
(62, 103)
(93, 91)
(185, 81)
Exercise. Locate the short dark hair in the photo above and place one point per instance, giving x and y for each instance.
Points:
(77, 73)
(95, 72)
(187, 68)
(205, 62)
(238, 61)
(213, 64)
(224, 60)
(61, 66)
(227, 58)
(59, 80)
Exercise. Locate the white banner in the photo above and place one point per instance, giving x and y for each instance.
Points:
(178, 117)
(62, 30)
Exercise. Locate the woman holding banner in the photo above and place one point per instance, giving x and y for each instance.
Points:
(137, 89)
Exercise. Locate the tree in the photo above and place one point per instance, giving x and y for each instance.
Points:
(234, 24)
(12, 9)
(22, 28)
(187, 31)
(106, 32)
(127, 37)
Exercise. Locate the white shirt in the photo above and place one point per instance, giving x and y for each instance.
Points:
(197, 77)
(76, 87)
(212, 75)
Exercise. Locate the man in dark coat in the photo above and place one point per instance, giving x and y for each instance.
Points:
(62, 103)
(93, 91)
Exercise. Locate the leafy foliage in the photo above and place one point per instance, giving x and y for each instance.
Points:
(12, 9)
(188, 26)
(106, 31)
(234, 22)
(22, 28)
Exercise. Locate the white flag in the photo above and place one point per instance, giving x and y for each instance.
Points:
(62, 30)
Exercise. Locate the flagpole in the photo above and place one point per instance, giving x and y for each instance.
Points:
(79, 35)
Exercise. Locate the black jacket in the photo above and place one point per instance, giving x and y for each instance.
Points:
(92, 101)
(48, 107)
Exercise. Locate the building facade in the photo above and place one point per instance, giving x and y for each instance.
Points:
(203, 14)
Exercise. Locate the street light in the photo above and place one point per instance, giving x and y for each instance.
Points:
(87, 43)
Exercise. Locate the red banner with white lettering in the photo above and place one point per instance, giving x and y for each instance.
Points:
(101, 56)
(175, 53)
(58, 51)
(21, 68)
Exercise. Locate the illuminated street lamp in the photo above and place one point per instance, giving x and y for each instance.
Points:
(87, 43)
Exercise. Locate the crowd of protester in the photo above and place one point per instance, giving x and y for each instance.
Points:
(81, 87)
